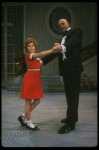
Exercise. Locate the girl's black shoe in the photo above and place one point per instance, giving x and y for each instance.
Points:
(33, 129)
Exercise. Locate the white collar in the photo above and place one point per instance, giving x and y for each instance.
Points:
(68, 29)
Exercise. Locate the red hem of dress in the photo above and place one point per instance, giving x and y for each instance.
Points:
(31, 98)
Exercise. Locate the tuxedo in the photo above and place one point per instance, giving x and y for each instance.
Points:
(70, 68)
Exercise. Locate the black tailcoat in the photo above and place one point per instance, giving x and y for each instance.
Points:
(70, 69)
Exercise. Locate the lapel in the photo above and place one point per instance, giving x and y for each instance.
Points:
(69, 34)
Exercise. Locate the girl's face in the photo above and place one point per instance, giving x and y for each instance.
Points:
(31, 47)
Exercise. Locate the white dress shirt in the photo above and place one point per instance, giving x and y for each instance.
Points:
(63, 47)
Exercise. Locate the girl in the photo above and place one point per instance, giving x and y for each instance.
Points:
(31, 85)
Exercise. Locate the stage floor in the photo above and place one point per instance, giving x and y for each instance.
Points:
(47, 115)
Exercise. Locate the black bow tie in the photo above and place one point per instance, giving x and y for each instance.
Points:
(65, 33)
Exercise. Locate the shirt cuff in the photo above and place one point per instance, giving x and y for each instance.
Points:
(31, 56)
(63, 49)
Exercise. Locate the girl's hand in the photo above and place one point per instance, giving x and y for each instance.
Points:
(56, 49)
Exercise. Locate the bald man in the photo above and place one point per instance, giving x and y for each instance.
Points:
(70, 67)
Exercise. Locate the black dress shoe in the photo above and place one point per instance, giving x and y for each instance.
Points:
(67, 128)
(21, 121)
(66, 120)
(33, 129)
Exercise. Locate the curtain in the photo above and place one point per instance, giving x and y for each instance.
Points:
(18, 20)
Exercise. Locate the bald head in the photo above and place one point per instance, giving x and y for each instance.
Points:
(63, 25)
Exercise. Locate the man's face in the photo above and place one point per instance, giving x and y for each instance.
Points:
(63, 25)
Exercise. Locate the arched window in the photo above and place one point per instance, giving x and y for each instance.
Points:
(57, 14)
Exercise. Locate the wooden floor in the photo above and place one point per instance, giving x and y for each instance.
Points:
(47, 115)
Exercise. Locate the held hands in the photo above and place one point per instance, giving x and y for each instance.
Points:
(57, 48)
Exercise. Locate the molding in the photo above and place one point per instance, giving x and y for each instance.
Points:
(48, 15)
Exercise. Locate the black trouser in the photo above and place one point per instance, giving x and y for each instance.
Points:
(72, 88)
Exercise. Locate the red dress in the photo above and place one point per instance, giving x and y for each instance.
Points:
(31, 85)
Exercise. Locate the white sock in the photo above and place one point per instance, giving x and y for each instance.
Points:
(24, 118)
(30, 124)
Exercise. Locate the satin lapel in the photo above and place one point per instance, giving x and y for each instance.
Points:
(69, 34)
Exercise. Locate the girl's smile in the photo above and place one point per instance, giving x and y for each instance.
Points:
(31, 47)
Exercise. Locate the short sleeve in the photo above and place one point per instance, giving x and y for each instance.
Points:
(31, 56)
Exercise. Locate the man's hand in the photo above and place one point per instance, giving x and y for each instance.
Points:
(57, 48)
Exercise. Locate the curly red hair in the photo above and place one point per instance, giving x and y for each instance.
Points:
(30, 40)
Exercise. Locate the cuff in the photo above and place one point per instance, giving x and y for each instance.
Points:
(63, 49)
